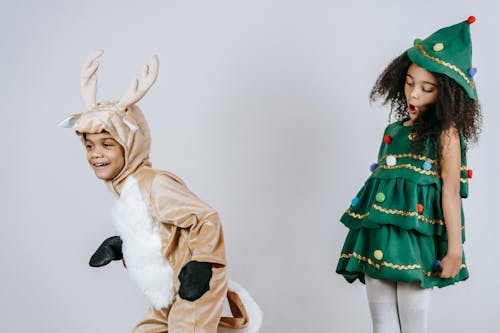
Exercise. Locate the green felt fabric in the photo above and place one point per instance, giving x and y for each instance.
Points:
(410, 239)
(454, 60)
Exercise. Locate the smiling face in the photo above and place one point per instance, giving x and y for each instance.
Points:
(105, 155)
(420, 90)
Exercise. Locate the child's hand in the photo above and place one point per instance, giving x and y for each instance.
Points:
(110, 249)
(450, 266)
(195, 279)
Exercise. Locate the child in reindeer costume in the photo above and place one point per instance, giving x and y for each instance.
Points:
(170, 240)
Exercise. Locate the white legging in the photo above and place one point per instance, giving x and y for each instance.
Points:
(397, 307)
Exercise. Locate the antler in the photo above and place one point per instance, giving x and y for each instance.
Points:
(88, 78)
(139, 87)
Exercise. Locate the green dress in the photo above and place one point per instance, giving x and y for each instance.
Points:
(396, 227)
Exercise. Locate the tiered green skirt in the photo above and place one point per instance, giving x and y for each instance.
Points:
(398, 238)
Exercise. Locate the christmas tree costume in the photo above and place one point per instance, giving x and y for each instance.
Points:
(396, 223)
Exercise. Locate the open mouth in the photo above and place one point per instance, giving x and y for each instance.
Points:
(412, 109)
(100, 165)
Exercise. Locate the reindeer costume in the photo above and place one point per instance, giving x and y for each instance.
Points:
(164, 227)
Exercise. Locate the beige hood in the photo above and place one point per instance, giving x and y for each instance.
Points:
(122, 119)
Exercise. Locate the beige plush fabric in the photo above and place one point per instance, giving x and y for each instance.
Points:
(189, 228)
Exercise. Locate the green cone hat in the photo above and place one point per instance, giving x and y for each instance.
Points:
(448, 51)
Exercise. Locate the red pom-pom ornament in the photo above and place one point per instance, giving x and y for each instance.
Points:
(420, 208)
(469, 173)
(387, 139)
(471, 19)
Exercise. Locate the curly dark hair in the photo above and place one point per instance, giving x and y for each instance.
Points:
(453, 106)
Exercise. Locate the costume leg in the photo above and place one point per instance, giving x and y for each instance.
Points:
(202, 315)
(413, 306)
(382, 299)
(155, 322)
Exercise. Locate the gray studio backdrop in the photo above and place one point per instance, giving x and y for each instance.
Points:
(262, 108)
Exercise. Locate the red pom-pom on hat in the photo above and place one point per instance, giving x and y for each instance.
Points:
(471, 19)
(387, 139)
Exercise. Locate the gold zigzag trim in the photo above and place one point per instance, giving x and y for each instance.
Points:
(419, 170)
(356, 215)
(409, 155)
(446, 64)
(382, 263)
(464, 180)
(409, 166)
(388, 264)
(398, 212)
(404, 213)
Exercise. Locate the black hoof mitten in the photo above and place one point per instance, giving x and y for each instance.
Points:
(110, 249)
(195, 279)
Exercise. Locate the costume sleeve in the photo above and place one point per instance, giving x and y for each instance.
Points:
(172, 203)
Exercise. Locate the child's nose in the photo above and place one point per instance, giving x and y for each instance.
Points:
(415, 93)
(96, 153)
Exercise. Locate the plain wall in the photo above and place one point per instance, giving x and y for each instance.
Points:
(262, 108)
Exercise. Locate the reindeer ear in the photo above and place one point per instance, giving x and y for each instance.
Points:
(70, 122)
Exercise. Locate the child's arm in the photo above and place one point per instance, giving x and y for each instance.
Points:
(450, 175)
(173, 203)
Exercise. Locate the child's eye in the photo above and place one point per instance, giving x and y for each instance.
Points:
(88, 146)
(428, 90)
(409, 83)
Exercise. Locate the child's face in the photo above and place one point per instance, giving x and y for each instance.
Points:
(104, 154)
(420, 90)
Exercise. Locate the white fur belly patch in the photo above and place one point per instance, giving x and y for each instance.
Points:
(141, 246)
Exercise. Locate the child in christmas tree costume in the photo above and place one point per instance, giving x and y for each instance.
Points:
(170, 241)
(406, 224)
